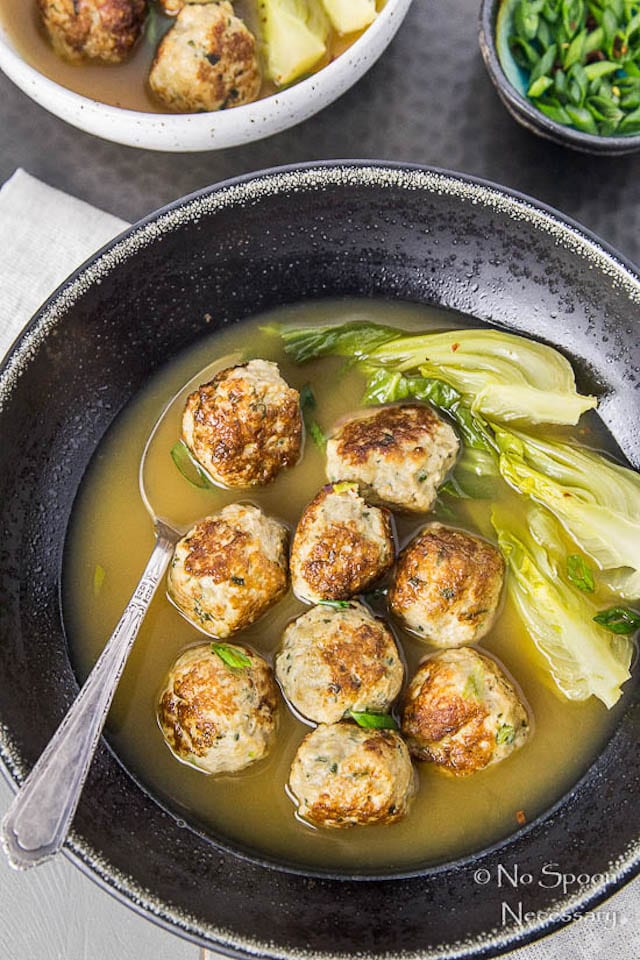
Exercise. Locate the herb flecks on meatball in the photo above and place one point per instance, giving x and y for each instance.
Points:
(217, 717)
(206, 61)
(342, 545)
(343, 776)
(93, 29)
(399, 455)
(245, 426)
(229, 569)
(446, 586)
(462, 713)
(336, 660)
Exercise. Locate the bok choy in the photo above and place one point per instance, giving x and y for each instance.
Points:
(502, 376)
(506, 377)
(355, 340)
(584, 659)
(597, 501)
(294, 34)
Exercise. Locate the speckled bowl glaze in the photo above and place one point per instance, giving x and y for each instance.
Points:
(352, 229)
(508, 80)
(181, 133)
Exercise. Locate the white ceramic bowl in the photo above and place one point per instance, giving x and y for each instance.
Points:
(208, 131)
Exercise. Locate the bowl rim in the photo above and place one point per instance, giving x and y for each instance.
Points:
(515, 102)
(222, 128)
(276, 181)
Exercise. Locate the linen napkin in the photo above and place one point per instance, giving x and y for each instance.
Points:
(44, 236)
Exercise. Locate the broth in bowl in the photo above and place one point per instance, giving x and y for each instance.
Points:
(450, 816)
(126, 83)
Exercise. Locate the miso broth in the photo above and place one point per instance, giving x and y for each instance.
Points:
(110, 539)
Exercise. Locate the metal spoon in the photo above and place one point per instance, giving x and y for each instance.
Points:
(37, 823)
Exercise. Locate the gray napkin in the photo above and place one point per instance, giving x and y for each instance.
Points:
(44, 236)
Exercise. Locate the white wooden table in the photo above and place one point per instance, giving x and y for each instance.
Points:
(55, 912)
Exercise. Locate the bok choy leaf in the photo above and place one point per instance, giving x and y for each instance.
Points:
(506, 377)
(501, 376)
(355, 340)
(597, 501)
(584, 659)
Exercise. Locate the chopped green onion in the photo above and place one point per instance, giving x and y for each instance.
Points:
(317, 434)
(308, 404)
(474, 686)
(539, 86)
(188, 467)
(621, 620)
(231, 656)
(373, 721)
(572, 51)
(344, 486)
(506, 733)
(580, 573)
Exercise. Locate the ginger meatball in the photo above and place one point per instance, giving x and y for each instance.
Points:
(218, 709)
(399, 455)
(245, 425)
(229, 569)
(93, 29)
(332, 661)
(342, 545)
(462, 713)
(447, 585)
(207, 60)
(343, 776)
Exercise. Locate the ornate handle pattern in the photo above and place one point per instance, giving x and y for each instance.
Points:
(38, 821)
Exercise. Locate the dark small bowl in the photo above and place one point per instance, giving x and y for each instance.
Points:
(508, 80)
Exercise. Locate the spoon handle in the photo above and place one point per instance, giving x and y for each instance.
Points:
(38, 821)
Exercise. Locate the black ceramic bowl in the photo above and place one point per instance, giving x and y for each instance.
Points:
(512, 93)
(279, 237)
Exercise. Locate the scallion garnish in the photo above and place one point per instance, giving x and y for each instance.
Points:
(373, 721)
(580, 573)
(187, 466)
(231, 656)
(582, 62)
(621, 620)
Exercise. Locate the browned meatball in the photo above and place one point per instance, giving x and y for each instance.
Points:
(245, 425)
(207, 60)
(343, 775)
(398, 454)
(93, 29)
(333, 661)
(229, 569)
(462, 713)
(218, 709)
(447, 585)
(342, 545)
